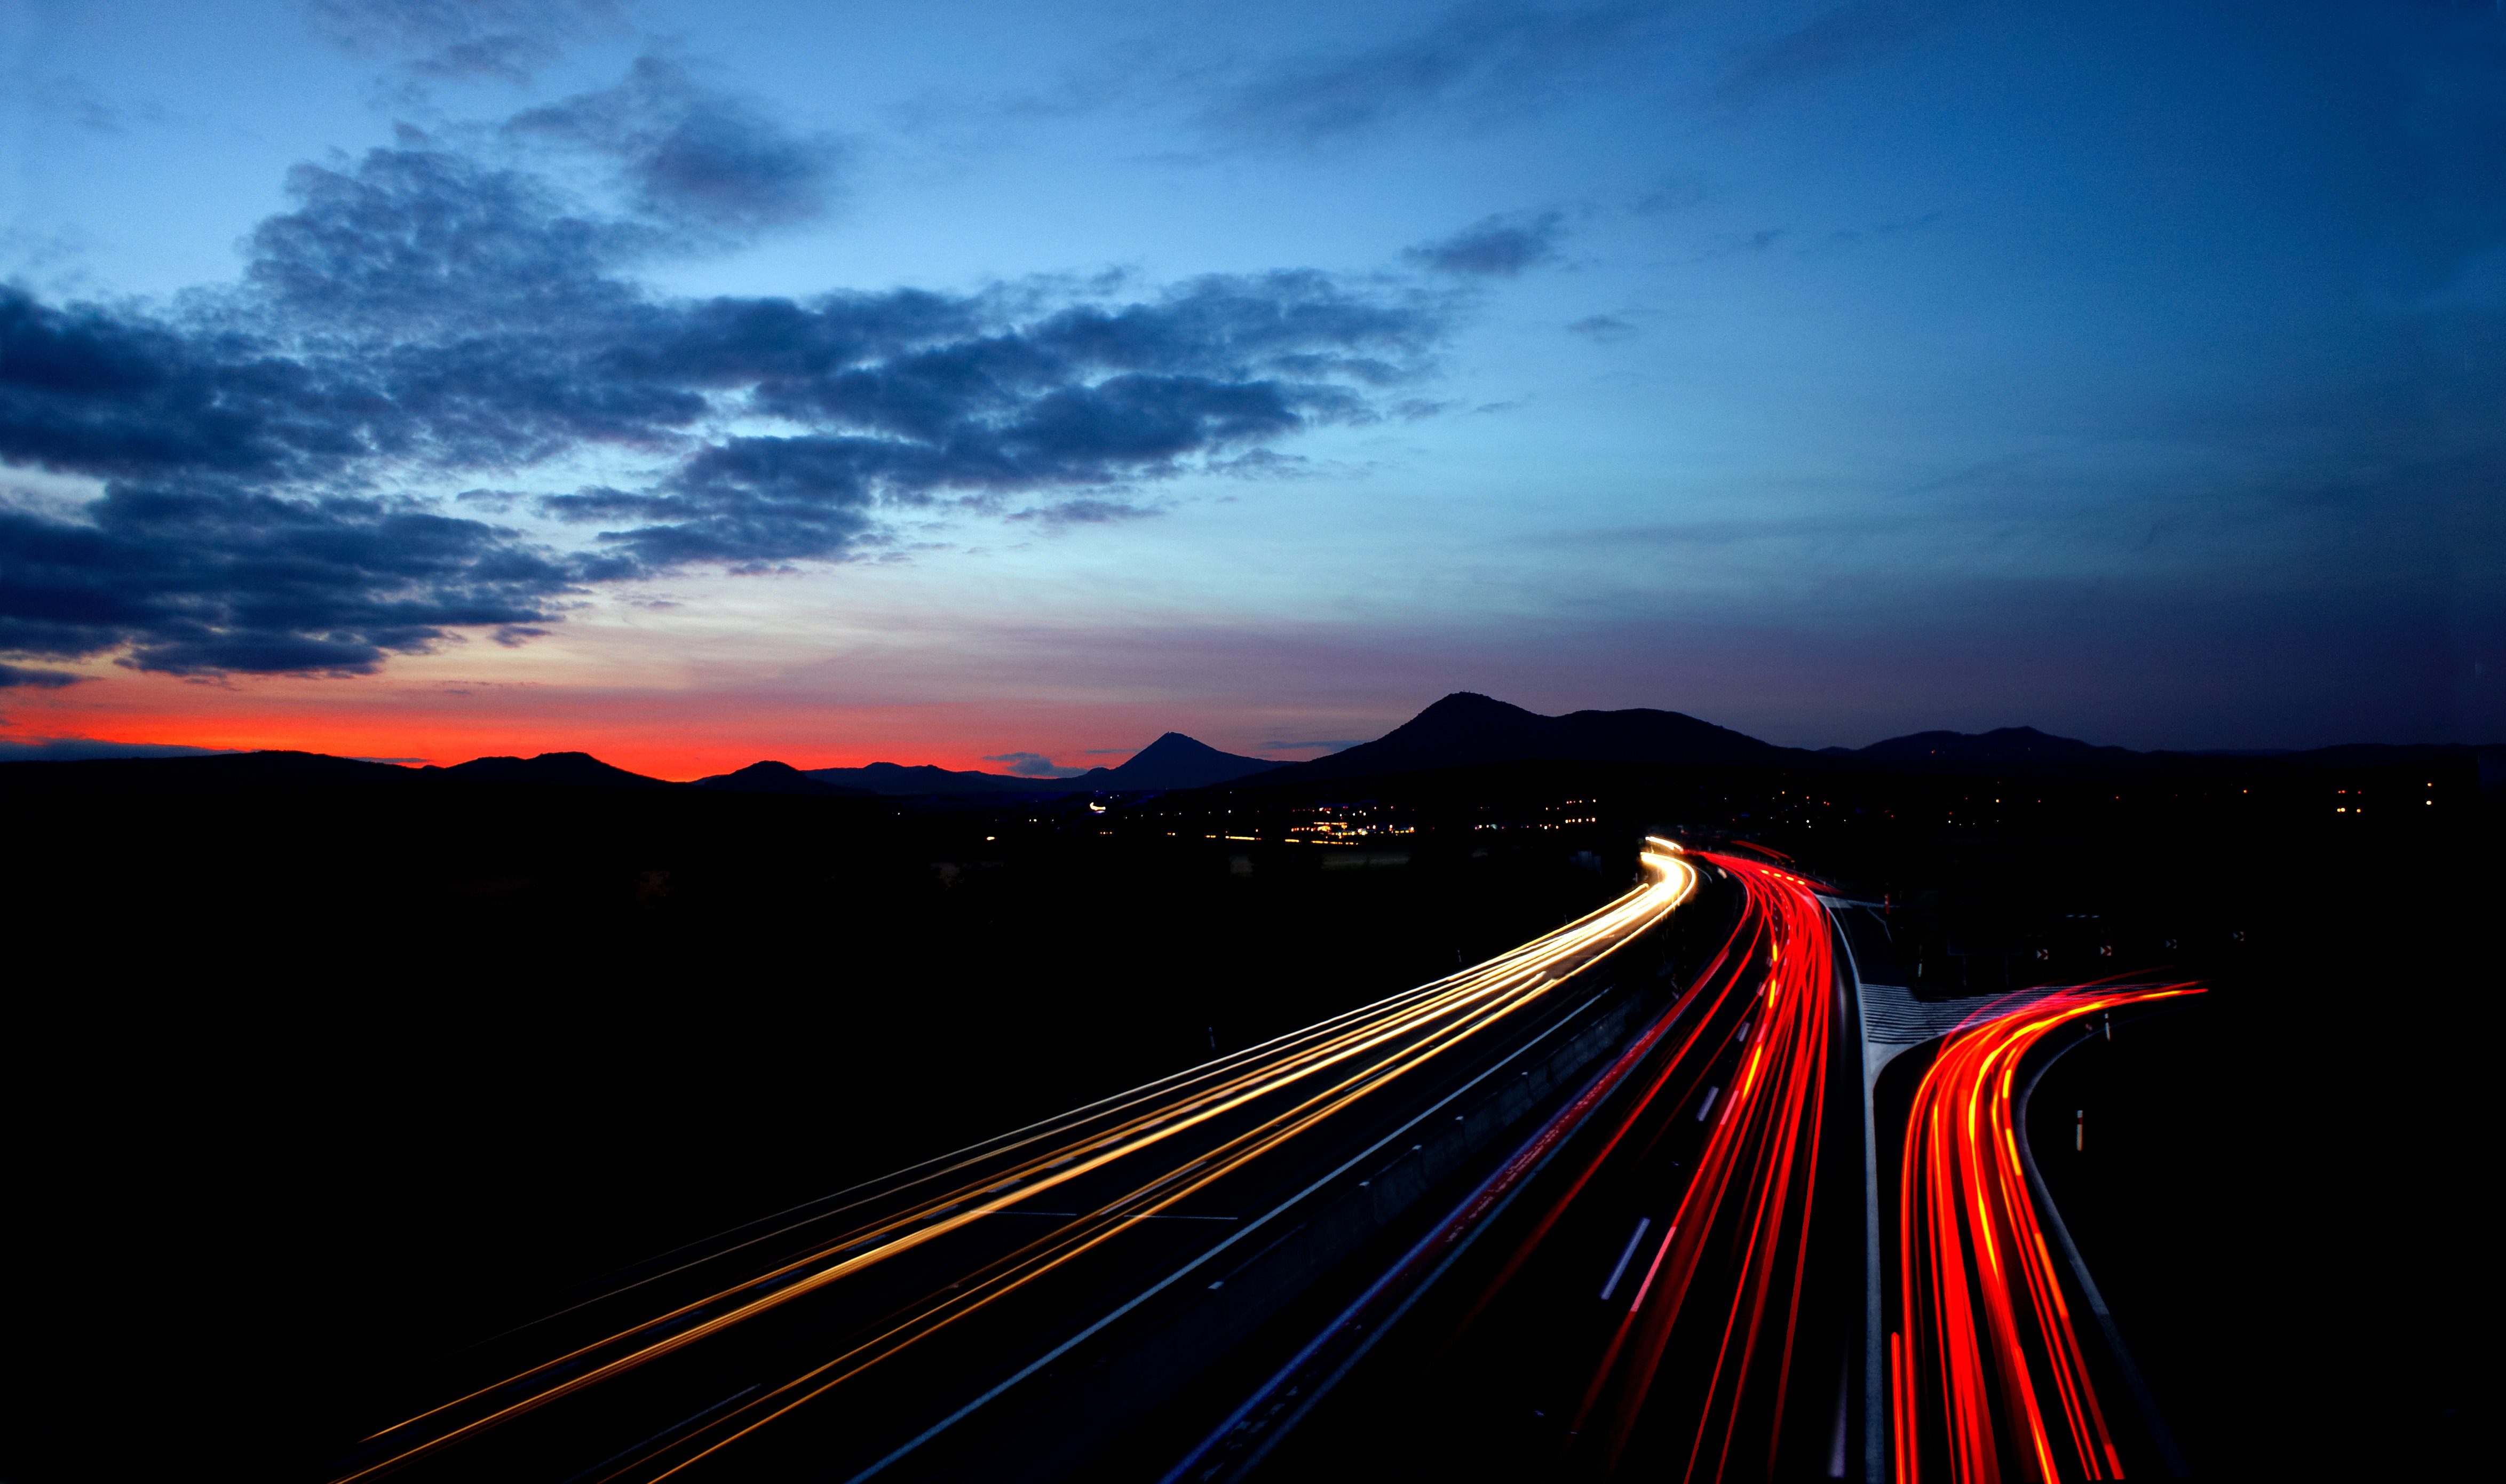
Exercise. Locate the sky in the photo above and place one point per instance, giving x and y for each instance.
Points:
(1004, 385)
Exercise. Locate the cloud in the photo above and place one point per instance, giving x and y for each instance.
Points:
(690, 155)
(1263, 464)
(1498, 247)
(1603, 327)
(1335, 746)
(1482, 57)
(84, 748)
(465, 40)
(37, 680)
(204, 577)
(270, 456)
(1035, 766)
(1088, 511)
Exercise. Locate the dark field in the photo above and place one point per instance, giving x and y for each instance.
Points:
(315, 1083)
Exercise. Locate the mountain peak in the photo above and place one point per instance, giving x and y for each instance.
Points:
(1467, 729)
(573, 769)
(770, 777)
(1175, 761)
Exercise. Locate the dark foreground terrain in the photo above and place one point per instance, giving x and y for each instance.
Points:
(314, 1080)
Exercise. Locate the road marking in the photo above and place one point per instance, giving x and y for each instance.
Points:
(1621, 1270)
(1707, 1107)
(1659, 1253)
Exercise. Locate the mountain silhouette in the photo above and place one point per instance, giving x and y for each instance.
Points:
(264, 770)
(897, 779)
(1466, 730)
(579, 770)
(2002, 745)
(1172, 761)
(777, 778)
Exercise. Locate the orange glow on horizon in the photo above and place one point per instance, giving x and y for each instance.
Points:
(672, 734)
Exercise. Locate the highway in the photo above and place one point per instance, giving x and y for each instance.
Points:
(955, 1315)
(1668, 1302)
(1684, 1289)
(1645, 1228)
(1987, 1377)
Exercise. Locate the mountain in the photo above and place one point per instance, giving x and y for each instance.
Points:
(216, 770)
(777, 778)
(1172, 761)
(1998, 748)
(896, 779)
(1464, 729)
(579, 770)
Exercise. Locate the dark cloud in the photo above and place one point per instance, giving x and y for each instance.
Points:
(691, 155)
(36, 680)
(267, 456)
(465, 40)
(1481, 58)
(1035, 766)
(1603, 327)
(84, 748)
(928, 400)
(411, 247)
(1498, 247)
(212, 577)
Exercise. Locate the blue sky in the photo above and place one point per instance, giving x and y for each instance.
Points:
(835, 381)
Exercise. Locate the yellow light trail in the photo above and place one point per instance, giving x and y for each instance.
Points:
(1401, 1034)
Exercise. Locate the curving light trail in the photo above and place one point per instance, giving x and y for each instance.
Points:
(1986, 1378)
(1744, 1214)
(1158, 1142)
(1711, 1285)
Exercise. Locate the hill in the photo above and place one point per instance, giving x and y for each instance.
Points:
(1997, 748)
(1172, 761)
(777, 778)
(572, 769)
(1466, 730)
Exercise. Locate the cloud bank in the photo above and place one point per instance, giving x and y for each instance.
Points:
(274, 458)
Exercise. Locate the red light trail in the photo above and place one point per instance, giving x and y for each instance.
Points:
(1750, 1201)
(1721, 1285)
(1987, 1377)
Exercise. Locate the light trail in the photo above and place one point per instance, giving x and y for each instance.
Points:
(1719, 1289)
(1724, 1362)
(1744, 1214)
(1166, 1140)
(1985, 1375)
